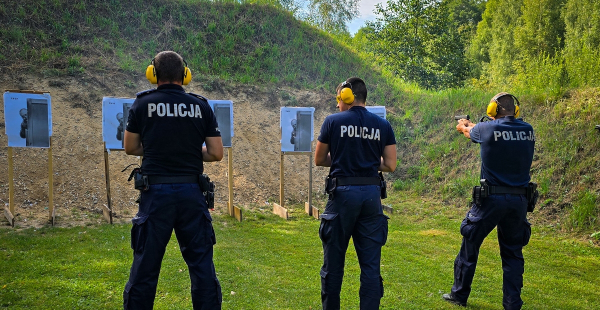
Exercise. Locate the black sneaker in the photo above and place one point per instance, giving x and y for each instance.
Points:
(451, 299)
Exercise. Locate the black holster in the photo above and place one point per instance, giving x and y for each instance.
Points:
(532, 196)
(383, 186)
(330, 186)
(208, 189)
(140, 181)
(480, 192)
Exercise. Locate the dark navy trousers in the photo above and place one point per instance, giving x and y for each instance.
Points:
(509, 214)
(162, 208)
(353, 211)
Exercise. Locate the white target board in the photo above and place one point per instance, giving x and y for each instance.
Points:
(28, 119)
(115, 112)
(223, 110)
(297, 129)
(378, 110)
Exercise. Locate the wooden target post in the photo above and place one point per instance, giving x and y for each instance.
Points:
(50, 185)
(107, 210)
(9, 212)
(280, 209)
(231, 209)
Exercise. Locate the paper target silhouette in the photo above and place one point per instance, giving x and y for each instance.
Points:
(115, 112)
(28, 119)
(296, 129)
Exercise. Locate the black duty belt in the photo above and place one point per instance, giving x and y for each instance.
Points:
(508, 190)
(157, 179)
(357, 181)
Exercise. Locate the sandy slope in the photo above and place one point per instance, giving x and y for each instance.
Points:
(79, 181)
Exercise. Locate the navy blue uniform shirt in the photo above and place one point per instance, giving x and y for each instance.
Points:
(507, 147)
(356, 140)
(173, 125)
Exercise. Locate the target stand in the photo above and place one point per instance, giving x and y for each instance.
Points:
(38, 119)
(231, 209)
(280, 209)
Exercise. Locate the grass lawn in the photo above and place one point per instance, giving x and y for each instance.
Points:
(268, 263)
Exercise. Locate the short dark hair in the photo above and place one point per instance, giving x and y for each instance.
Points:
(169, 66)
(358, 88)
(506, 103)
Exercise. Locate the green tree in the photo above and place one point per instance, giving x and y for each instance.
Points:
(424, 40)
(539, 37)
(328, 15)
(493, 47)
(582, 41)
(332, 15)
(540, 29)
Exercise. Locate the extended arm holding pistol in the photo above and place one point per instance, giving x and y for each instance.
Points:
(464, 126)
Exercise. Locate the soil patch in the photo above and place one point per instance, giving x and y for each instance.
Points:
(78, 160)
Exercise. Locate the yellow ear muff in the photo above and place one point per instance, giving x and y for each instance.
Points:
(187, 76)
(492, 108)
(347, 95)
(153, 79)
(151, 73)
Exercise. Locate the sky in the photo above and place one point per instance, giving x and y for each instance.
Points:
(365, 9)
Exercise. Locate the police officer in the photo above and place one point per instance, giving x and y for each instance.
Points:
(507, 145)
(168, 127)
(356, 144)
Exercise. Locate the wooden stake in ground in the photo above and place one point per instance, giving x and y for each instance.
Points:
(107, 209)
(39, 117)
(233, 210)
(10, 211)
(280, 209)
(50, 185)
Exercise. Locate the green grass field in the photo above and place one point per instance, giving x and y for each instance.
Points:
(269, 263)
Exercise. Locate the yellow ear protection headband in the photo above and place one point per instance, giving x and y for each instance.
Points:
(492, 108)
(346, 94)
(153, 78)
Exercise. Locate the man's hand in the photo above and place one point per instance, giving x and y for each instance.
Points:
(464, 126)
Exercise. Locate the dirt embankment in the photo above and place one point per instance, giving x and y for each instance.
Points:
(78, 160)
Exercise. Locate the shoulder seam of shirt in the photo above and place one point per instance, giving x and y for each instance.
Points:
(199, 96)
(145, 92)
